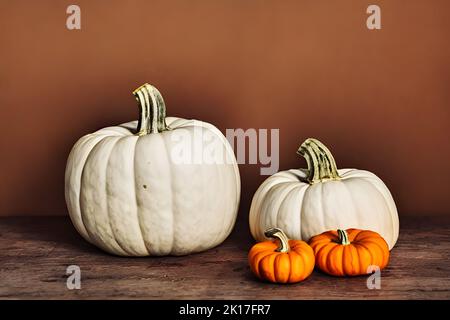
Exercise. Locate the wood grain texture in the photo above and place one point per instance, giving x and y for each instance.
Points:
(35, 252)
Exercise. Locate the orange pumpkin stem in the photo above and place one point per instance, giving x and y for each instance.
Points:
(343, 237)
(278, 234)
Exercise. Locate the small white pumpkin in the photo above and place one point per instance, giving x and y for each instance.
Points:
(127, 194)
(305, 203)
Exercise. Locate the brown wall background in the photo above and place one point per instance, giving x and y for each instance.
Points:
(379, 99)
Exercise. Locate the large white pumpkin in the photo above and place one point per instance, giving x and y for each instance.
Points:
(130, 191)
(305, 203)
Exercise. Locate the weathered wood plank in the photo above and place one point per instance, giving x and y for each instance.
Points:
(35, 252)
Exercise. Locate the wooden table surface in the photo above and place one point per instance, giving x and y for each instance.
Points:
(35, 252)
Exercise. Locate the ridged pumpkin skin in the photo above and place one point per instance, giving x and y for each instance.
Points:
(281, 267)
(127, 195)
(365, 248)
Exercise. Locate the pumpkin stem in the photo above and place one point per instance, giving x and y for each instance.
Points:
(152, 110)
(321, 164)
(343, 237)
(281, 236)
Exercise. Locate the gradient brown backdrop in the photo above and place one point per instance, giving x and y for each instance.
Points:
(379, 99)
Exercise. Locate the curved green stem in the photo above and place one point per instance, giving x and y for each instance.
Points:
(321, 164)
(281, 236)
(152, 110)
(343, 237)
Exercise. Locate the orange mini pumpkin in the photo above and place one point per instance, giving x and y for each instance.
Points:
(289, 261)
(349, 253)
